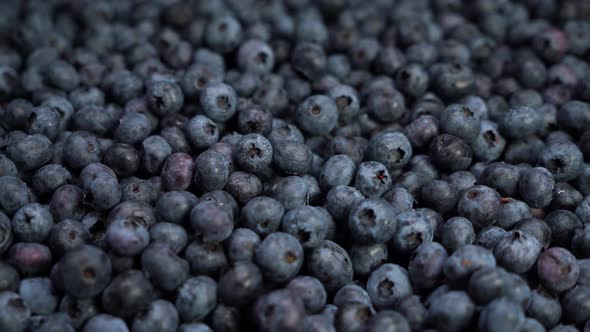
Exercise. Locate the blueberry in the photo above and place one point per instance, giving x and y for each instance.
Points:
(387, 284)
(205, 258)
(372, 221)
(164, 97)
(536, 187)
(255, 119)
(337, 171)
(479, 204)
(466, 260)
(372, 179)
(133, 128)
(451, 311)
(391, 149)
(32, 223)
(557, 269)
(347, 102)
(38, 295)
(291, 191)
(166, 270)
(280, 256)
(103, 322)
(219, 101)
(225, 318)
(517, 251)
(502, 177)
(412, 230)
(366, 257)
(386, 104)
(536, 228)
(457, 232)
(426, 265)
(279, 310)
(564, 160)
(460, 121)
(211, 222)
(194, 327)
(29, 257)
(253, 153)
(439, 195)
(201, 132)
(330, 264)
(353, 317)
(308, 224)
(122, 158)
(50, 177)
(309, 59)
(388, 320)
(161, 315)
(84, 272)
(450, 152)
(422, 130)
(177, 171)
(223, 33)
(544, 308)
(500, 315)
(340, 199)
(14, 314)
(282, 130)
(67, 235)
(292, 157)
(9, 278)
(242, 244)
(175, 206)
(30, 152)
(317, 115)
(575, 304)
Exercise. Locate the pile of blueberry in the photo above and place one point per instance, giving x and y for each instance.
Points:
(294, 165)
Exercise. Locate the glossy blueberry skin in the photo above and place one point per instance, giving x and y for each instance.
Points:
(32, 223)
(219, 101)
(353, 317)
(372, 179)
(340, 199)
(520, 122)
(101, 322)
(101, 191)
(557, 269)
(501, 314)
(576, 306)
(84, 272)
(291, 157)
(372, 221)
(225, 318)
(279, 256)
(291, 191)
(347, 102)
(240, 284)
(536, 187)
(563, 159)
(14, 314)
(287, 315)
(30, 152)
(479, 204)
(164, 97)
(330, 264)
(175, 206)
(457, 232)
(422, 130)
(282, 130)
(161, 315)
(387, 284)
(9, 277)
(133, 128)
(544, 308)
(450, 152)
(211, 222)
(517, 251)
(425, 269)
(263, 215)
(311, 291)
(392, 149)
(466, 260)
